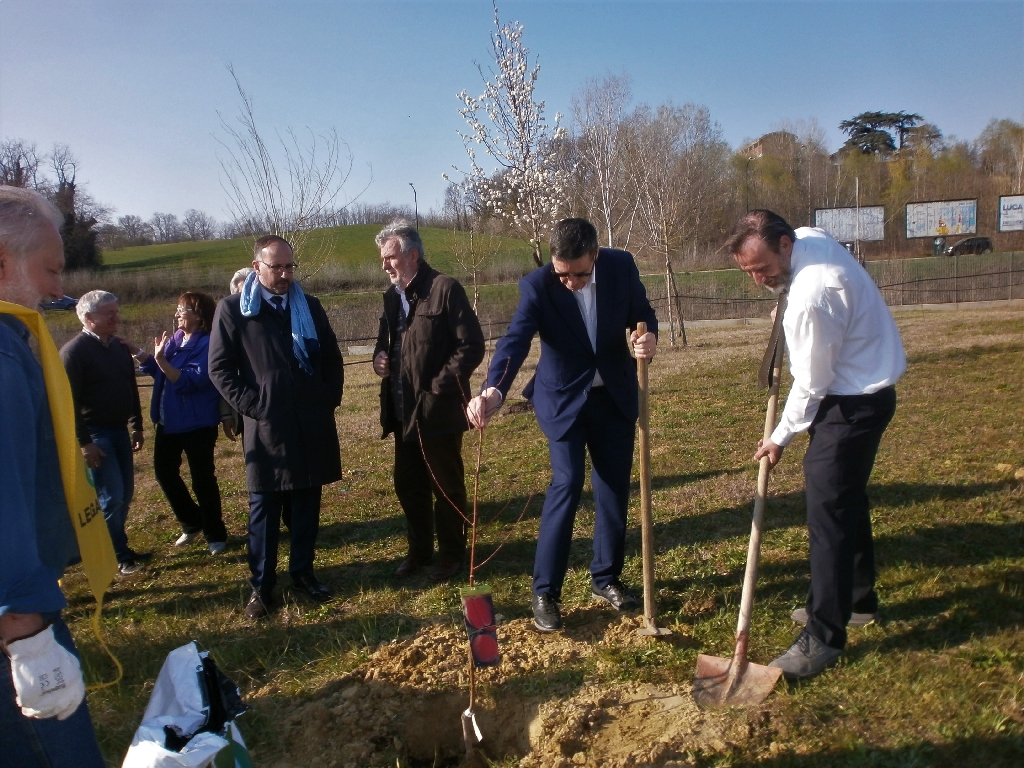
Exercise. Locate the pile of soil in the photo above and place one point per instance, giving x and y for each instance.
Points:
(404, 706)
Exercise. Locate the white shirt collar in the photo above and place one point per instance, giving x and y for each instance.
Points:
(267, 295)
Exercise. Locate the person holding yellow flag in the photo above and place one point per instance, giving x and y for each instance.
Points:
(44, 720)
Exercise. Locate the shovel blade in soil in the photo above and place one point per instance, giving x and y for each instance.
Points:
(724, 683)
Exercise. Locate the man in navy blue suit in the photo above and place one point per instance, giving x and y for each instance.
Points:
(585, 396)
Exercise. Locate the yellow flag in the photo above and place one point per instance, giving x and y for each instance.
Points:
(94, 544)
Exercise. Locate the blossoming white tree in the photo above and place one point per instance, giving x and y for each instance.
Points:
(527, 188)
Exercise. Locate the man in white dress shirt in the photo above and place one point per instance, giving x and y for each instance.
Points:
(845, 355)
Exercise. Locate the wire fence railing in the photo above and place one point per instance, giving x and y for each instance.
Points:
(724, 294)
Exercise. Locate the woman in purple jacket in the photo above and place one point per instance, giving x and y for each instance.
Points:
(185, 410)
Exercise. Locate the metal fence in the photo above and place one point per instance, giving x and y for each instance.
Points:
(729, 294)
(724, 294)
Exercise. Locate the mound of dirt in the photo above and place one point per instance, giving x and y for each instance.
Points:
(403, 707)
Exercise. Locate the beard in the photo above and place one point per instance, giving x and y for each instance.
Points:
(781, 282)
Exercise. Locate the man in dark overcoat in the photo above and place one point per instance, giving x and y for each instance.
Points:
(428, 345)
(275, 359)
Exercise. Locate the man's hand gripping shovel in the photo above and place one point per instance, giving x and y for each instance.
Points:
(737, 682)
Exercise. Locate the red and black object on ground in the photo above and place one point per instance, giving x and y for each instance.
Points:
(478, 611)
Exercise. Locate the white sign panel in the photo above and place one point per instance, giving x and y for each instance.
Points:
(1011, 213)
(841, 223)
(945, 217)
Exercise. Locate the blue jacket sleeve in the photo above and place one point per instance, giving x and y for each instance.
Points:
(26, 585)
(640, 309)
(195, 369)
(514, 346)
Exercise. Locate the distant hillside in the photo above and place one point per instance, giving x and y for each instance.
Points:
(350, 246)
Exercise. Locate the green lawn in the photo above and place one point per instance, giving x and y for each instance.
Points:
(940, 684)
(349, 246)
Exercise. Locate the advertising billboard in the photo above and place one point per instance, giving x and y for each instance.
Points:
(941, 218)
(1011, 213)
(841, 223)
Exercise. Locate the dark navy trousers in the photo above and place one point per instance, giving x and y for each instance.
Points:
(265, 531)
(602, 431)
(844, 436)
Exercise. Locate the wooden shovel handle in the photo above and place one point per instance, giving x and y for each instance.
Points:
(757, 522)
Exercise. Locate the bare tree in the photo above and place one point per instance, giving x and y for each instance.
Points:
(166, 227)
(1001, 148)
(135, 230)
(473, 245)
(289, 202)
(198, 225)
(19, 164)
(599, 112)
(528, 187)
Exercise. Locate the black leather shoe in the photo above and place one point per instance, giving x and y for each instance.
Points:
(308, 583)
(445, 570)
(128, 567)
(409, 566)
(140, 557)
(256, 608)
(616, 595)
(546, 617)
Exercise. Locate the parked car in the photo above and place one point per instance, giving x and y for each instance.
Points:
(970, 245)
(64, 302)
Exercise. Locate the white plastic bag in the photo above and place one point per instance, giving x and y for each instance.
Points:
(180, 702)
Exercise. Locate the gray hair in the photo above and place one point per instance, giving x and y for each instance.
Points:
(238, 278)
(92, 301)
(405, 231)
(23, 214)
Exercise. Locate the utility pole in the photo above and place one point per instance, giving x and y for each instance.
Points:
(416, 205)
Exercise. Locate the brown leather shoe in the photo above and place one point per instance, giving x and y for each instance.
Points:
(445, 570)
(409, 566)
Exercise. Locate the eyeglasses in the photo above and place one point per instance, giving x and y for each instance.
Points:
(567, 275)
(283, 268)
(182, 310)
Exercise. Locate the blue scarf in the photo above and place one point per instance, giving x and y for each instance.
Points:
(303, 330)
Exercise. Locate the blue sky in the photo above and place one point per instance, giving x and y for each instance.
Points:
(135, 87)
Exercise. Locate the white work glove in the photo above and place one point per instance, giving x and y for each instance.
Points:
(47, 677)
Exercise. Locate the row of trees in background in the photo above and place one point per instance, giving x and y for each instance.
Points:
(662, 182)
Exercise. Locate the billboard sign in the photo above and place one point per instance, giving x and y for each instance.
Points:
(941, 218)
(841, 223)
(1011, 213)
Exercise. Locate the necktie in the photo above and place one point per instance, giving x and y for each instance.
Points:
(777, 339)
(278, 302)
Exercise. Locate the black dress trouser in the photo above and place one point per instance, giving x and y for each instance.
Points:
(844, 438)
(204, 512)
(431, 487)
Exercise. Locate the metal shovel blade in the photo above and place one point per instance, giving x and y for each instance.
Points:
(732, 683)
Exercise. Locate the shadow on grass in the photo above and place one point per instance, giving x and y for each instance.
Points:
(991, 752)
(952, 618)
(961, 355)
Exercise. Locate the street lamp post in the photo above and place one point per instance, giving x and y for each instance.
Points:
(416, 205)
(746, 183)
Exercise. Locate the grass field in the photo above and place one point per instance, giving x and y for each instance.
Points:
(940, 684)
